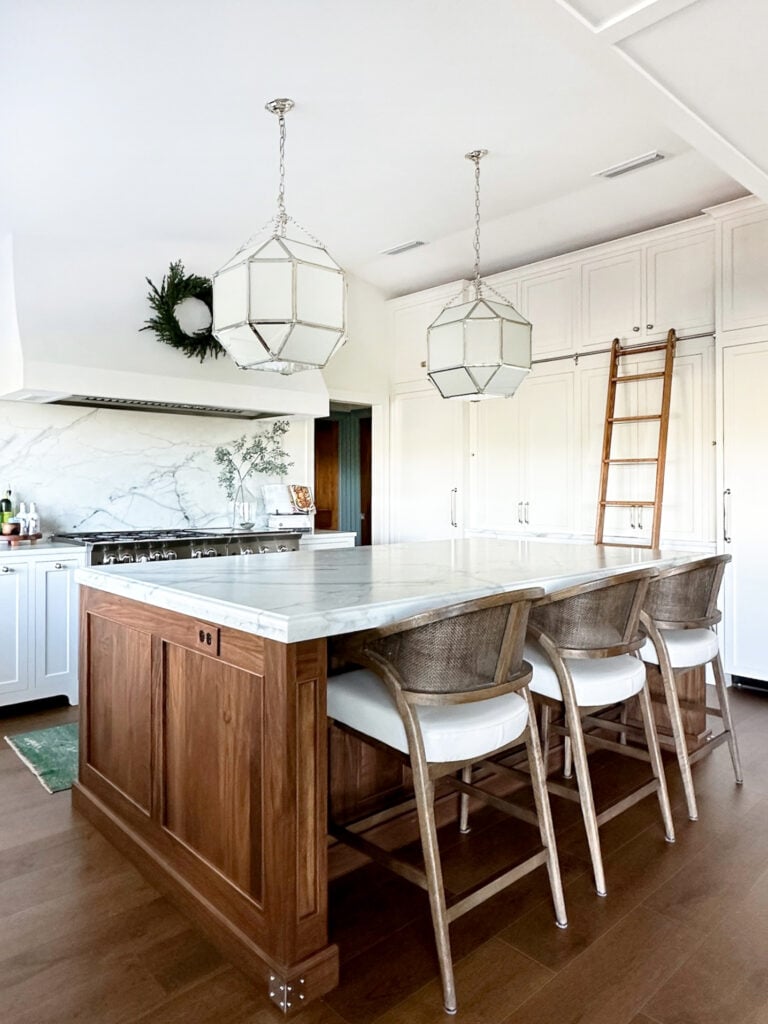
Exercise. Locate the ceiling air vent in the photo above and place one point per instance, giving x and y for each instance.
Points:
(139, 405)
(630, 165)
(403, 247)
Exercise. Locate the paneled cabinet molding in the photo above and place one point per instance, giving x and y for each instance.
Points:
(38, 627)
(411, 317)
(744, 287)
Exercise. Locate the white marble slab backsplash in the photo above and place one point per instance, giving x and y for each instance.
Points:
(103, 469)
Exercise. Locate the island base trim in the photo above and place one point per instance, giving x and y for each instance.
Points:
(301, 982)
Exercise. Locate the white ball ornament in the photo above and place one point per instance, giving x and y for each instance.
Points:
(192, 315)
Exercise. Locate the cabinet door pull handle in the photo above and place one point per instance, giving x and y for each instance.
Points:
(526, 506)
(726, 494)
(454, 491)
(639, 517)
(520, 512)
(632, 510)
(7, 568)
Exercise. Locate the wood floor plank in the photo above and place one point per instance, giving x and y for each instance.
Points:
(612, 981)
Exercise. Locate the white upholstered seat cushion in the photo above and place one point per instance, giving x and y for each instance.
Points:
(687, 647)
(598, 682)
(455, 732)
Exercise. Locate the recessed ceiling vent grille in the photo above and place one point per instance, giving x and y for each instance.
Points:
(396, 250)
(181, 408)
(630, 165)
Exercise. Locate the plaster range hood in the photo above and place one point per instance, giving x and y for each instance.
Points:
(69, 335)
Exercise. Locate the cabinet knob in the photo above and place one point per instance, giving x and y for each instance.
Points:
(635, 328)
(57, 565)
(649, 327)
(7, 568)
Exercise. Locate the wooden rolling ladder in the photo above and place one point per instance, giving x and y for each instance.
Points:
(615, 380)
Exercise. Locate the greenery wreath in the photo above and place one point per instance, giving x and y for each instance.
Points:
(177, 287)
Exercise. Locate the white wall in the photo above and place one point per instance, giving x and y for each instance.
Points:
(108, 469)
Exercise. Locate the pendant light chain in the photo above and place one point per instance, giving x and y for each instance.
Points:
(478, 285)
(282, 217)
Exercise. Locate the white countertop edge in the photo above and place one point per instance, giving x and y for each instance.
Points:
(309, 625)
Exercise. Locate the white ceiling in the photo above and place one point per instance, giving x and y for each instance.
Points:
(144, 119)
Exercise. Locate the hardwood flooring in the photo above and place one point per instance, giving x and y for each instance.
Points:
(681, 938)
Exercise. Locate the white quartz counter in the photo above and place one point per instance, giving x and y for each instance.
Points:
(302, 595)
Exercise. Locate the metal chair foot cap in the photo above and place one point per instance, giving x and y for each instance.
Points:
(466, 830)
(693, 817)
(669, 839)
(604, 893)
(739, 782)
(561, 924)
(452, 1012)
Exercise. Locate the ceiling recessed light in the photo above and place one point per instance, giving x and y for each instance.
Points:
(630, 165)
(403, 247)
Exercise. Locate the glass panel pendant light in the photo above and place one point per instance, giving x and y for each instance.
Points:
(481, 348)
(280, 304)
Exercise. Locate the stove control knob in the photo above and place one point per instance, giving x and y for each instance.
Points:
(210, 553)
(246, 551)
(197, 553)
(156, 556)
(282, 547)
(263, 550)
(169, 555)
(110, 559)
(127, 557)
(143, 558)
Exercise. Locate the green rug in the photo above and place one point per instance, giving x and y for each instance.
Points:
(50, 753)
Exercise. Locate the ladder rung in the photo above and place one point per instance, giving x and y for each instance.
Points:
(629, 504)
(634, 349)
(637, 376)
(631, 462)
(632, 419)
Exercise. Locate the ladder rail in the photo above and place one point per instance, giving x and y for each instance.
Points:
(666, 404)
(610, 406)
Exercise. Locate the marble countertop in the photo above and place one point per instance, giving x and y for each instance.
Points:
(302, 595)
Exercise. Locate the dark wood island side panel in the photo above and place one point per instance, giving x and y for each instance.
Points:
(204, 758)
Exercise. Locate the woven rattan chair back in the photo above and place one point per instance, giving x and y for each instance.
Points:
(686, 596)
(465, 652)
(594, 620)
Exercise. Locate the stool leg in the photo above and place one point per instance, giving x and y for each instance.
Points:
(545, 719)
(676, 721)
(424, 791)
(466, 776)
(544, 814)
(725, 708)
(652, 741)
(586, 799)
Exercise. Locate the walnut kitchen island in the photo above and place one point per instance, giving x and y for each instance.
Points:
(204, 751)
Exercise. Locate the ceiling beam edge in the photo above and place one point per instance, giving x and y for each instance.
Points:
(640, 17)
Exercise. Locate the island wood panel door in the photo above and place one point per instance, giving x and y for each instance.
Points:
(117, 741)
(204, 758)
(14, 627)
(428, 451)
(745, 509)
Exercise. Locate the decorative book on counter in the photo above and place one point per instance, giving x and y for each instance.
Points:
(289, 506)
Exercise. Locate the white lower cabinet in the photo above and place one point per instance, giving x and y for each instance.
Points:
(38, 627)
(523, 457)
(428, 457)
(15, 675)
(745, 503)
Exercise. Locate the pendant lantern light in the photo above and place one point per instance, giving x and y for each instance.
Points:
(279, 304)
(481, 348)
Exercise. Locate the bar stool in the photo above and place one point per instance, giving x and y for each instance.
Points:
(581, 642)
(679, 612)
(443, 690)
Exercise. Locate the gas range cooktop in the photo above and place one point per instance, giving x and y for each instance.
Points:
(112, 547)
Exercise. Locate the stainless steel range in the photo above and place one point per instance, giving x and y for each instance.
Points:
(114, 547)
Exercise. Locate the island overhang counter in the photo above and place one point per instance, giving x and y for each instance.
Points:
(204, 746)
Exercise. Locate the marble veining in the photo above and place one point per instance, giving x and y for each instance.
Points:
(303, 595)
(105, 469)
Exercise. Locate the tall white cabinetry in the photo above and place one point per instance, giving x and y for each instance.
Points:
(38, 625)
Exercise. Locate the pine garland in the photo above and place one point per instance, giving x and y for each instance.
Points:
(177, 285)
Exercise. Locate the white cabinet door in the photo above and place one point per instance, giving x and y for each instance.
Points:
(745, 479)
(14, 630)
(547, 414)
(680, 286)
(611, 299)
(428, 446)
(496, 465)
(745, 282)
(548, 300)
(55, 626)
